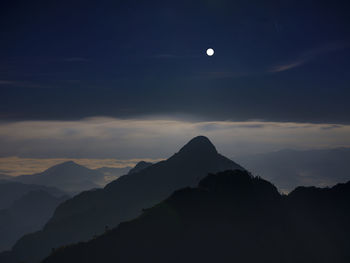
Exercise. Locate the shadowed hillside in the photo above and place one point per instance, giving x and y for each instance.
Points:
(27, 214)
(11, 191)
(230, 217)
(89, 213)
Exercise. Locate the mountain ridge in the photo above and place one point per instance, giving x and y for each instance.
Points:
(230, 216)
(68, 176)
(140, 166)
(90, 212)
(26, 214)
(11, 190)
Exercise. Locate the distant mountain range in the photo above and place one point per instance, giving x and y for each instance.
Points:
(91, 213)
(68, 176)
(291, 168)
(11, 191)
(17, 220)
(26, 214)
(230, 217)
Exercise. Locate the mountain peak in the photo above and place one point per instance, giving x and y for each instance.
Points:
(65, 169)
(69, 163)
(65, 165)
(199, 144)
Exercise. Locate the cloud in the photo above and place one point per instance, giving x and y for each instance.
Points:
(284, 67)
(308, 56)
(297, 62)
(14, 166)
(101, 137)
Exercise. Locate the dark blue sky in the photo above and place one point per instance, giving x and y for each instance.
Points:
(274, 60)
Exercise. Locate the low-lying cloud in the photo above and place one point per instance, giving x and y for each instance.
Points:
(14, 166)
(158, 138)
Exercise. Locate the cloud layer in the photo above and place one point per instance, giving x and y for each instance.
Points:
(159, 138)
(14, 166)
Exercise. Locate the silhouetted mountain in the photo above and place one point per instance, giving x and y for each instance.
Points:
(11, 191)
(88, 213)
(291, 168)
(27, 214)
(69, 176)
(140, 166)
(230, 217)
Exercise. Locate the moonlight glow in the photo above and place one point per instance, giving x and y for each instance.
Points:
(210, 52)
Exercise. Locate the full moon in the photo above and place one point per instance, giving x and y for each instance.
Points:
(210, 52)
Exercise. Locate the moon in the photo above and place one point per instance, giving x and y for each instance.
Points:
(210, 52)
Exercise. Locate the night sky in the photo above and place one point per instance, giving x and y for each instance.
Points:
(274, 60)
(109, 83)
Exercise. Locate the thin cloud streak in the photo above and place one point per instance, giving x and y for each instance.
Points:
(285, 67)
(308, 56)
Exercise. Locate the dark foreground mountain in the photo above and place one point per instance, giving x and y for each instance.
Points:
(68, 176)
(90, 213)
(291, 168)
(11, 191)
(27, 214)
(229, 217)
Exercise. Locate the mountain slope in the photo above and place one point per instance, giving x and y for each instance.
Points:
(88, 213)
(11, 191)
(230, 217)
(140, 166)
(68, 176)
(27, 214)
